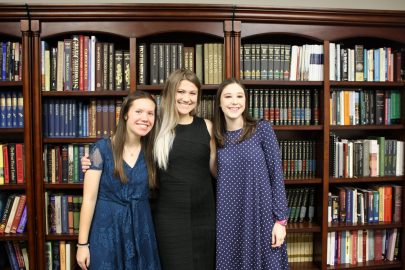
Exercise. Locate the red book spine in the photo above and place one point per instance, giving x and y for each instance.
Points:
(354, 247)
(81, 62)
(6, 165)
(18, 255)
(19, 162)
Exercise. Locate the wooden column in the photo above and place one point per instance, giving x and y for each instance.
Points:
(37, 139)
(228, 49)
(236, 48)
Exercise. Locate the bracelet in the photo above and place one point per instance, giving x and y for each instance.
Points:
(282, 222)
(83, 245)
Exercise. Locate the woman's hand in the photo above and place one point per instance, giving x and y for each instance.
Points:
(85, 163)
(278, 235)
(83, 257)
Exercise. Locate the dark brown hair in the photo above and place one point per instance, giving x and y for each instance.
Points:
(249, 124)
(119, 140)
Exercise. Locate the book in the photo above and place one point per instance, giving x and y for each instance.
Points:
(11, 216)
(18, 214)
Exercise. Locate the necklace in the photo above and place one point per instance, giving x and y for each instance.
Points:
(132, 153)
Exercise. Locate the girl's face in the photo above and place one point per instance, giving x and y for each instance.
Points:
(186, 97)
(233, 101)
(141, 117)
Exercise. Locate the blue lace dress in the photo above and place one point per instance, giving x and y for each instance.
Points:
(121, 234)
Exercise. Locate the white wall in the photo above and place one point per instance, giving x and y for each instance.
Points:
(346, 4)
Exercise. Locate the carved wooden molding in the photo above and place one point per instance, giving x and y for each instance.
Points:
(320, 16)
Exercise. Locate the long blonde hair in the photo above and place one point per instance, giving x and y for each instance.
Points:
(170, 116)
(119, 139)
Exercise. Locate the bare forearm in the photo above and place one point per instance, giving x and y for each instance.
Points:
(86, 217)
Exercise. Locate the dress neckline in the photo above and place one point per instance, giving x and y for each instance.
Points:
(185, 125)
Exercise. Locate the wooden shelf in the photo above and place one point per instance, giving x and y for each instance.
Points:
(61, 237)
(341, 226)
(304, 266)
(6, 131)
(298, 128)
(367, 84)
(369, 265)
(13, 237)
(67, 94)
(366, 180)
(304, 181)
(58, 186)
(303, 227)
(367, 127)
(281, 83)
(13, 187)
(70, 140)
(7, 84)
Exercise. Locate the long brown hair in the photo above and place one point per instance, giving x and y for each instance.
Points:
(119, 139)
(249, 124)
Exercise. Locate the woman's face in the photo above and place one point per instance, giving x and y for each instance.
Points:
(233, 101)
(186, 97)
(141, 116)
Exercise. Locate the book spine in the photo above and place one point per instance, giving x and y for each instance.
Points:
(23, 221)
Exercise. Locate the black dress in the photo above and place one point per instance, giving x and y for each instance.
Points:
(185, 209)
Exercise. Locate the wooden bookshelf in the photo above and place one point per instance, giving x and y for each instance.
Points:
(14, 28)
(233, 26)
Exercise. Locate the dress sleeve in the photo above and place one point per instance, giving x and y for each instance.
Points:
(274, 166)
(96, 158)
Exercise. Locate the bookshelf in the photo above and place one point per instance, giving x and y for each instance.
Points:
(277, 26)
(18, 130)
(130, 25)
(144, 26)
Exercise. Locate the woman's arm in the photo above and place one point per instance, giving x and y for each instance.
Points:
(213, 149)
(90, 191)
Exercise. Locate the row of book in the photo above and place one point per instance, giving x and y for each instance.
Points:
(360, 246)
(301, 204)
(77, 118)
(298, 159)
(365, 107)
(81, 63)
(12, 163)
(10, 61)
(281, 62)
(371, 157)
(13, 213)
(60, 255)
(63, 213)
(62, 163)
(16, 252)
(373, 204)
(11, 109)
(285, 107)
(95, 117)
(360, 64)
(300, 247)
(206, 60)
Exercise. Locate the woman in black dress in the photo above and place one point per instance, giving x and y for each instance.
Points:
(184, 151)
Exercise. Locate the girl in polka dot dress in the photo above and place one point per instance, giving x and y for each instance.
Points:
(251, 200)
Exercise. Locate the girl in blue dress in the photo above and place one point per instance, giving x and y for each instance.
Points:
(116, 229)
(251, 200)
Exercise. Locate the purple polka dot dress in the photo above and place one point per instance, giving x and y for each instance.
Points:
(250, 198)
